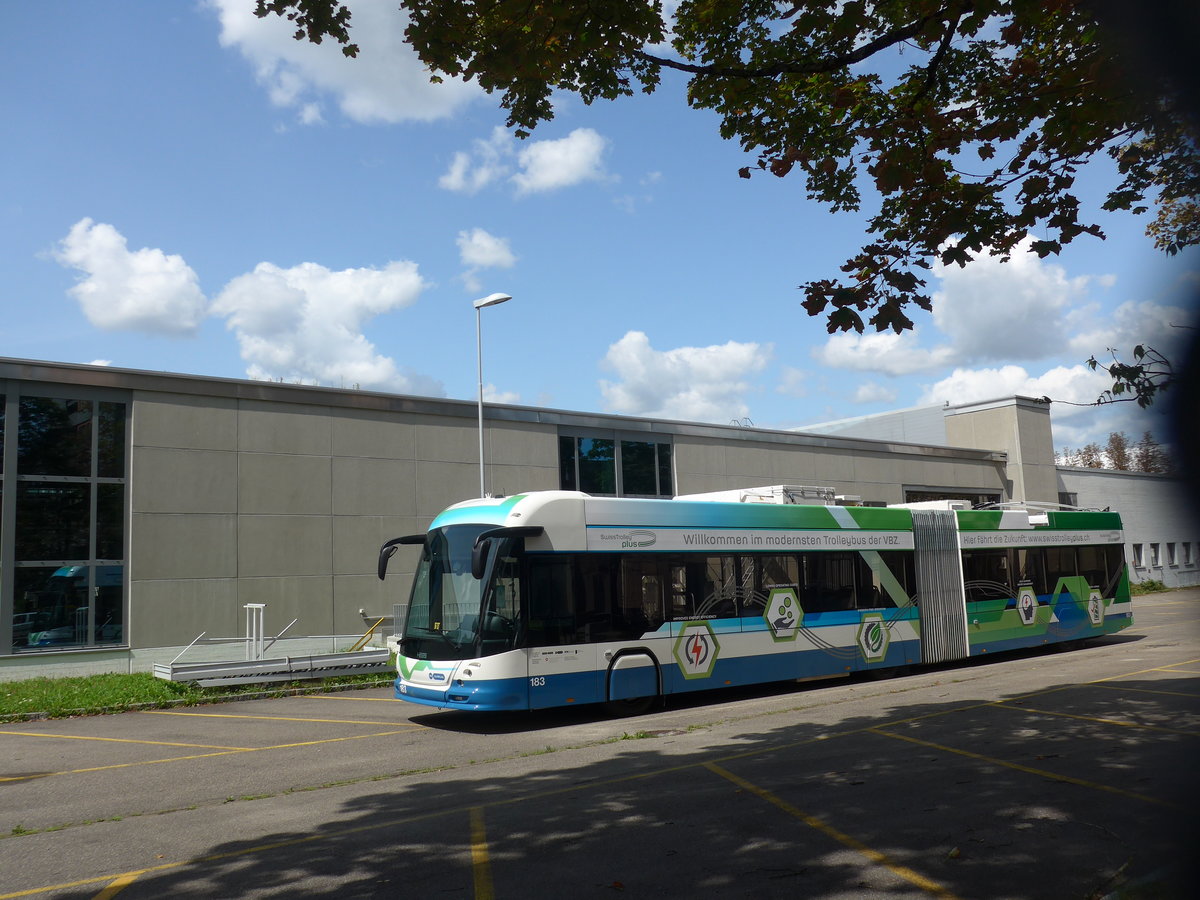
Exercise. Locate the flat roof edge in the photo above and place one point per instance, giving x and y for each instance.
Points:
(114, 377)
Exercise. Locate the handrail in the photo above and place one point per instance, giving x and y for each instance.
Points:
(362, 642)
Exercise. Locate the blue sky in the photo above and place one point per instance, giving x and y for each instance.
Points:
(187, 189)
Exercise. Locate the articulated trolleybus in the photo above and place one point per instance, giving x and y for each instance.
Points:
(553, 598)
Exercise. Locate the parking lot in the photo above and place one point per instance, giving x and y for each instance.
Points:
(1050, 774)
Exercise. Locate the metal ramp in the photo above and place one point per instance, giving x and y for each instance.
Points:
(254, 669)
(285, 668)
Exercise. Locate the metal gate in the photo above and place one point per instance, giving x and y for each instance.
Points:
(939, 585)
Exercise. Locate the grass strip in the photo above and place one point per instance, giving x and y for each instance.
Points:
(54, 698)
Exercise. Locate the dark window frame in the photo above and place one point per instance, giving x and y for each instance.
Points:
(97, 558)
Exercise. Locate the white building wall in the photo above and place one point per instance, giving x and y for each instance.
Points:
(1162, 539)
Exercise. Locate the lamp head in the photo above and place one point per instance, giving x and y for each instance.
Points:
(491, 300)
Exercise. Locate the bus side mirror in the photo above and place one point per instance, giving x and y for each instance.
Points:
(384, 555)
(388, 550)
(479, 555)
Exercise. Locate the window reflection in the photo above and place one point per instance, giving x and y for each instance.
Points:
(597, 473)
(55, 437)
(68, 522)
(52, 520)
(603, 465)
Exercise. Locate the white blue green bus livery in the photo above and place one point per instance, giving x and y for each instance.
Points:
(554, 598)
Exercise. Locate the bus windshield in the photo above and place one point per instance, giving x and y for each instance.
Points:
(447, 601)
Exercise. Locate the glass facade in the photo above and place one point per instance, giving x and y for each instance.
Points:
(613, 466)
(63, 499)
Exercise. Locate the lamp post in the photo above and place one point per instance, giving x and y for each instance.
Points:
(489, 300)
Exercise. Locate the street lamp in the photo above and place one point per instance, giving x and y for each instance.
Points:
(489, 300)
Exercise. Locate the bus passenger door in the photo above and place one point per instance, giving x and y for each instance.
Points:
(564, 667)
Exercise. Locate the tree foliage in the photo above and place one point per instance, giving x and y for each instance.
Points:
(1140, 381)
(970, 118)
(1117, 451)
(1147, 455)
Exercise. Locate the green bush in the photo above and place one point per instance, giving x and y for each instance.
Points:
(1150, 586)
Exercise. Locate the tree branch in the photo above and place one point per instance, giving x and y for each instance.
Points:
(829, 64)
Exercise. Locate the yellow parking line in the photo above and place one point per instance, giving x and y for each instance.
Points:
(875, 856)
(156, 712)
(481, 866)
(1132, 690)
(170, 759)
(1098, 720)
(85, 737)
(1029, 770)
(1169, 667)
(117, 885)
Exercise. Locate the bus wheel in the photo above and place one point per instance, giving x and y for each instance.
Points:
(634, 706)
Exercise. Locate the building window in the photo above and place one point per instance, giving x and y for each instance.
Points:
(64, 491)
(926, 495)
(1068, 498)
(1137, 555)
(1154, 555)
(1171, 554)
(616, 465)
(1187, 552)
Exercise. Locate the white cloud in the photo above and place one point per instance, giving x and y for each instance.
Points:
(306, 323)
(550, 165)
(1072, 384)
(1153, 324)
(144, 290)
(491, 394)
(704, 384)
(872, 392)
(385, 83)
(993, 310)
(540, 165)
(479, 249)
(488, 162)
(883, 351)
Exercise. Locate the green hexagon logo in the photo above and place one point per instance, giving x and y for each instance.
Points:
(873, 638)
(696, 650)
(1027, 606)
(783, 614)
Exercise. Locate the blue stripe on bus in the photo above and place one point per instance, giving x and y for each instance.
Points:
(589, 687)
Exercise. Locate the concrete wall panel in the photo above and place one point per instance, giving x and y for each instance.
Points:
(175, 547)
(284, 428)
(193, 423)
(279, 484)
(183, 481)
(174, 612)
(455, 442)
(309, 599)
(374, 435)
(374, 487)
(284, 546)
(440, 484)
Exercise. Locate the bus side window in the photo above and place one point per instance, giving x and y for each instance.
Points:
(828, 582)
(1031, 569)
(1060, 563)
(985, 574)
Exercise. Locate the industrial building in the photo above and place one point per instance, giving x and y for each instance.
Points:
(141, 510)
